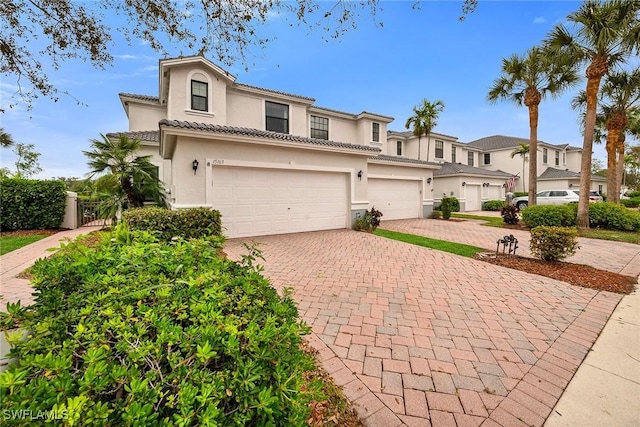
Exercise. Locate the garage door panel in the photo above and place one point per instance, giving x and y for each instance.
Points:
(257, 202)
(473, 198)
(395, 198)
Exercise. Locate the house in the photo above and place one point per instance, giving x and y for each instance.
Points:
(271, 162)
(558, 165)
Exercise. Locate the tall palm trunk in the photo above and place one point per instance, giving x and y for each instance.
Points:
(428, 144)
(620, 167)
(595, 71)
(127, 186)
(532, 100)
(418, 147)
(612, 170)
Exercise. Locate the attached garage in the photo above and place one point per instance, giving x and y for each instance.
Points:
(395, 198)
(262, 201)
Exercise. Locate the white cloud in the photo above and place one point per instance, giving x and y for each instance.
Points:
(539, 20)
(125, 56)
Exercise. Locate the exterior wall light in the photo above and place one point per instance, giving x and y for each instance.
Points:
(360, 175)
(429, 180)
(194, 165)
(464, 183)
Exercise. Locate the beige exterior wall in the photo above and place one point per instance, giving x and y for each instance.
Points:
(144, 117)
(245, 110)
(192, 189)
(574, 158)
(341, 130)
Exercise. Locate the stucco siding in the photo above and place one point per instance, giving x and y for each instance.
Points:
(143, 117)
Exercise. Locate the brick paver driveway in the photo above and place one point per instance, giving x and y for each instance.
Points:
(421, 337)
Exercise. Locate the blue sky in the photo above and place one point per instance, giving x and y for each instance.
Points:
(416, 54)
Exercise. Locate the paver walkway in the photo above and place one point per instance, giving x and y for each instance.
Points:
(421, 337)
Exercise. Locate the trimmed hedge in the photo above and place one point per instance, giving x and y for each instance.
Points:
(631, 203)
(140, 332)
(27, 204)
(493, 205)
(613, 217)
(167, 224)
(549, 215)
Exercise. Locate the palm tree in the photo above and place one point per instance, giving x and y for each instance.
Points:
(620, 102)
(423, 120)
(606, 34)
(522, 151)
(6, 140)
(136, 176)
(526, 80)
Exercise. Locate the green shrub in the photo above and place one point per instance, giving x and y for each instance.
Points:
(613, 217)
(520, 194)
(27, 204)
(447, 206)
(369, 222)
(493, 205)
(631, 203)
(549, 215)
(509, 215)
(436, 214)
(139, 332)
(633, 194)
(553, 243)
(186, 223)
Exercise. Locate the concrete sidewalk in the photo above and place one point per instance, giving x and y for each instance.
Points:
(13, 288)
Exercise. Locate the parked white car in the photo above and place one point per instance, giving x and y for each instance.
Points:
(548, 197)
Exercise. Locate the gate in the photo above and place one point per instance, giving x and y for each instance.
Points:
(88, 213)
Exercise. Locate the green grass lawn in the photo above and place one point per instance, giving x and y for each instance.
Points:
(617, 236)
(440, 245)
(492, 221)
(11, 243)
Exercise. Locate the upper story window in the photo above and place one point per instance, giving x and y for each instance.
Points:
(453, 154)
(375, 132)
(557, 158)
(399, 148)
(277, 117)
(199, 95)
(319, 127)
(486, 159)
(470, 158)
(564, 158)
(545, 156)
(439, 149)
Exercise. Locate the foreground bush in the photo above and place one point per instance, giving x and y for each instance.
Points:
(509, 215)
(549, 215)
(369, 221)
(613, 217)
(553, 243)
(27, 204)
(139, 332)
(493, 205)
(186, 223)
(631, 203)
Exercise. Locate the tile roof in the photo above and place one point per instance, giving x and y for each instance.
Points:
(230, 130)
(277, 92)
(146, 135)
(499, 142)
(553, 173)
(409, 134)
(460, 169)
(140, 97)
(388, 158)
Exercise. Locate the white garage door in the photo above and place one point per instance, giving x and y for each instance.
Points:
(472, 193)
(395, 198)
(494, 193)
(257, 202)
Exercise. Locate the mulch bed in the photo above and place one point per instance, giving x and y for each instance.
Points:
(22, 233)
(574, 274)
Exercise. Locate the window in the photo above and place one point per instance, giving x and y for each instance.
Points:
(453, 154)
(600, 189)
(545, 156)
(375, 132)
(439, 149)
(564, 158)
(319, 127)
(399, 148)
(557, 158)
(486, 158)
(199, 96)
(277, 117)
(470, 158)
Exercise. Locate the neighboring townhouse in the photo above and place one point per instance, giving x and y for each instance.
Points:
(558, 165)
(459, 174)
(270, 161)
